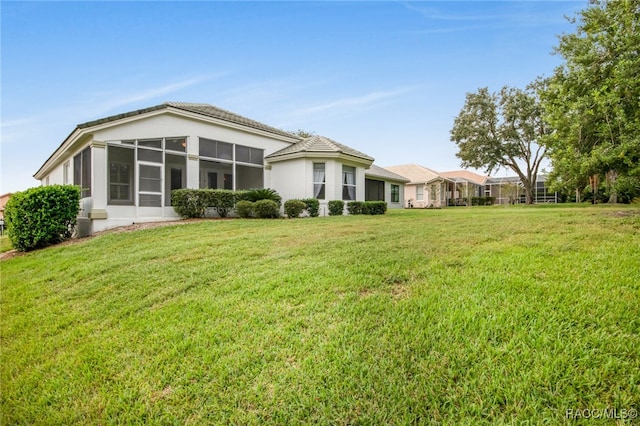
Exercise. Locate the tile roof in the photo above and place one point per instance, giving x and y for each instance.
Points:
(465, 175)
(319, 144)
(414, 172)
(196, 108)
(375, 171)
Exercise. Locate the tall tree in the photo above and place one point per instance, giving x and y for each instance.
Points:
(504, 129)
(593, 100)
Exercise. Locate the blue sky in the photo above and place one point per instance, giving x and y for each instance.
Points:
(386, 78)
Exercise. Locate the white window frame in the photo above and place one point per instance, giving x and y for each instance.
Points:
(347, 186)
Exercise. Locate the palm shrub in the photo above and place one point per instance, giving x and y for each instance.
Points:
(336, 207)
(266, 209)
(244, 208)
(294, 208)
(42, 216)
(263, 194)
(312, 205)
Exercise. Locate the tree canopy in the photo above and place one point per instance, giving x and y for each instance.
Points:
(504, 129)
(593, 100)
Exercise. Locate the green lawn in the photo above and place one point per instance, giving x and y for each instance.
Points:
(482, 315)
(5, 243)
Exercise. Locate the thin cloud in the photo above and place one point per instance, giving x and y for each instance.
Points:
(432, 13)
(153, 93)
(357, 102)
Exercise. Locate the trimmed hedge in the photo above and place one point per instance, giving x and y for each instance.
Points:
(355, 207)
(42, 216)
(266, 209)
(367, 207)
(375, 207)
(190, 203)
(336, 207)
(294, 208)
(482, 201)
(312, 205)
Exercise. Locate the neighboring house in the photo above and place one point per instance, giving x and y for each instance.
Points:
(428, 188)
(128, 164)
(414, 192)
(3, 202)
(466, 184)
(508, 190)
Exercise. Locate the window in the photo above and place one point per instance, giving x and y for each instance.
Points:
(175, 144)
(82, 172)
(245, 154)
(318, 180)
(348, 183)
(395, 193)
(151, 143)
(121, 162)
(419, 193)
(373, 190)
(216, 149)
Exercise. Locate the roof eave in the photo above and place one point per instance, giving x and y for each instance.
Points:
(319, 154)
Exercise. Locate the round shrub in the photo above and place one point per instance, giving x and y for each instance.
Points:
(244, 208)
(42, 216)
(312, 206)
(336, 208)
(266, 209)
(294, 208)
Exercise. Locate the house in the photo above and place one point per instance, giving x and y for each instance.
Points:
(418, 177)
(3, 202)
(508, 190)
(428, 188)
(128, 164)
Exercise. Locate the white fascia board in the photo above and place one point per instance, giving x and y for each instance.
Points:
(350, 159)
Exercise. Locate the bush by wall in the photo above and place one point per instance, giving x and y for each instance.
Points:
(375, 207)
(266, 209)
(42, 216)
(223, 200)
(482, 201)
(366, 207)
(244, 209)
(294, 208)
(336, 207)
(312, 205)
(263, 194)
(355, 207)
(190, 203)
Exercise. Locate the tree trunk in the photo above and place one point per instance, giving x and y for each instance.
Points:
(611, 183)
(528, 193)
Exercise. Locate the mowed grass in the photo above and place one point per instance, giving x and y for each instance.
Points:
(457, 316)
(5, 243)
